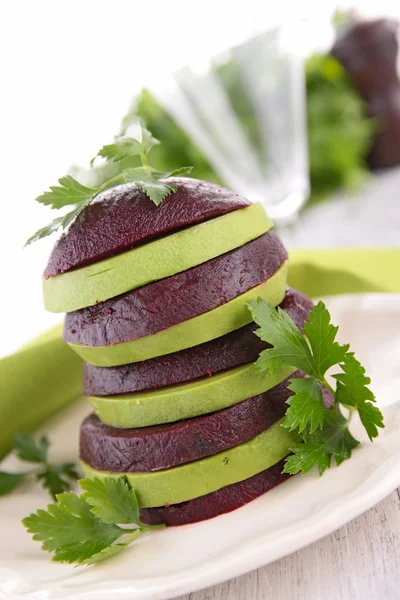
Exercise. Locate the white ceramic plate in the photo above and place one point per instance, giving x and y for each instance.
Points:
(167, 563)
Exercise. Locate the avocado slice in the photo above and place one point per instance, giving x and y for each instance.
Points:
(231, 350)
(164, 446)
(170, 301)
(217, 503)
(186, 400)
(200, 329)
(207, 475)
(154, 260)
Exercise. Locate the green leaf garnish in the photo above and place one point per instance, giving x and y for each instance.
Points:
(116, 548)
(84, 529)
(9, 481)
(112, 501)
(306, 407)
(71, 192)
(45, 231)
(56, 478)
(321, 335)
(290, 347)
(27, 448)
(333, 440)
(324, 433)
(125, 147)
(70, 530)
(352, 391)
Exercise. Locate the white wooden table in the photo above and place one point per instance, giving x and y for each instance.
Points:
(360, 561)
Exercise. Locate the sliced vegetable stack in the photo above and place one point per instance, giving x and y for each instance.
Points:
(156, 301)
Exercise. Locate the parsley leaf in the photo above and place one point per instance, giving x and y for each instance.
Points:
(334, 440)
(70, 530)
(125, 147)
(71, 192)
(9, 481)
(45, 231)
(306, 406)
(277, 328)
(324, 433)
(336, 435)
(115, 548)
(84, 529)
(112, 501)
(56, 199)
(27, 448)
(352, 391)
(321, 335)
(307, 454)
(56, 478)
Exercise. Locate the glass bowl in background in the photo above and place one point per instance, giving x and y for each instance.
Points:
(245, 109)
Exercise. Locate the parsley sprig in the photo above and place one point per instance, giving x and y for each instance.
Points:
(56, 478)
(323, 433)
(86, 529)
(71, 192)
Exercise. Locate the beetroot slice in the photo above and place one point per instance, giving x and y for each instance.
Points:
(234, 349)
(126, 217)
(217, 503)
(160, 305)
(163, 446)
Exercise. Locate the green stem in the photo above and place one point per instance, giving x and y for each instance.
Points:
(145, 528)
(108, 183)
(123, 530)
(351, 410)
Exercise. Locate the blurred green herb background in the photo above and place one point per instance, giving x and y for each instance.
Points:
(339, 133)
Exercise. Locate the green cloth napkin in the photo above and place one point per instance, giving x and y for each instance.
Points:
(36, 382)
(45, 375)
(345, 271)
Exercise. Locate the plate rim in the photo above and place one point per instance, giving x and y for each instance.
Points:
(256, 556)
(383, 480)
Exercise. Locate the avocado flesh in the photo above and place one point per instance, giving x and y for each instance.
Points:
(226, 352)
(217, 503)
(205, 327)
(207, 475)
(154, 260)
(165, 303)
(186, 400)
(170, 444)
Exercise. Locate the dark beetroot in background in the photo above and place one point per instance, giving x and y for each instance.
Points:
(170, 301)
(368, 50)
(126, 217)
(217, 503)
(163, 446)
(234, 349)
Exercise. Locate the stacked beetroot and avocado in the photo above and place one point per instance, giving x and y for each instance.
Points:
(156, 301)
(197, 409)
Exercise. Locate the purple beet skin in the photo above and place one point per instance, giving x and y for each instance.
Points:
(234, 349)
(217, 503)
(163, 446)
(126, 217)
(170, 301)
